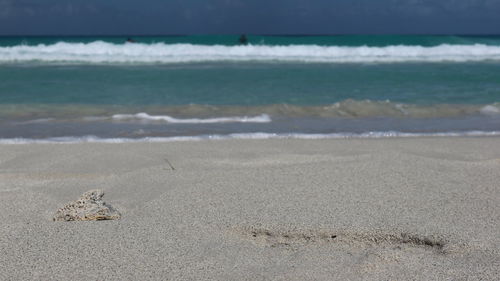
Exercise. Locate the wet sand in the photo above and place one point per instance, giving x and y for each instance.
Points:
(357, 209)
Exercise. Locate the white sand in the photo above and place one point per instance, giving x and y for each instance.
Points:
(374, 209)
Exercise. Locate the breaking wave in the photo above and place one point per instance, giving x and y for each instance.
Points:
(100, 52)
(263, 118)
(209, 114)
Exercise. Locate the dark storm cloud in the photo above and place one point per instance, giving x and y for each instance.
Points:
(248, 16)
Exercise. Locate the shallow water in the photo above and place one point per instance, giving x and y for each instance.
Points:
(208, 86)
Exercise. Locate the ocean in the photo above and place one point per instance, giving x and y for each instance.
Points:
(85, 89)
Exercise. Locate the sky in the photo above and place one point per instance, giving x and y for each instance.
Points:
(158, 17)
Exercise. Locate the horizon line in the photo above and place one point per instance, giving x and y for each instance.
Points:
(251, 34)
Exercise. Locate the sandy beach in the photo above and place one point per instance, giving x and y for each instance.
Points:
(353, 209)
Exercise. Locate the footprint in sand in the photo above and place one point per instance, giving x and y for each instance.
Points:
(296, 238)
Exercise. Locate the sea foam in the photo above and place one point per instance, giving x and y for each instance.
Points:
(100, 52)
(490, 110)
(263, 118)
(210, 114)
(248, 136)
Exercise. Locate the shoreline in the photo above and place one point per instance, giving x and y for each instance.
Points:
(270, 209)
(259, 136)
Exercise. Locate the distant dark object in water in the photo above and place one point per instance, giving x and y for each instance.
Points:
(130, 40)
(243, 39)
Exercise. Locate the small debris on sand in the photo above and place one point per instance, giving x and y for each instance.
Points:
(89, 207)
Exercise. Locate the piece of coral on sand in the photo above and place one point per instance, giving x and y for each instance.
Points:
(89, 207)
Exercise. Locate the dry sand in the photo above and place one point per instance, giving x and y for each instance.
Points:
(358, 209)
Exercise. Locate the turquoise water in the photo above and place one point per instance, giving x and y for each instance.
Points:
(251, 83)
(210, 85)
(230, 40)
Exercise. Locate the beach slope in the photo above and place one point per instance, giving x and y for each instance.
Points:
(353, 209)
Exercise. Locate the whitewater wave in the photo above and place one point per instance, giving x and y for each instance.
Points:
(263, 118)
(248, 136)
(209, 114)
(100, 52)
